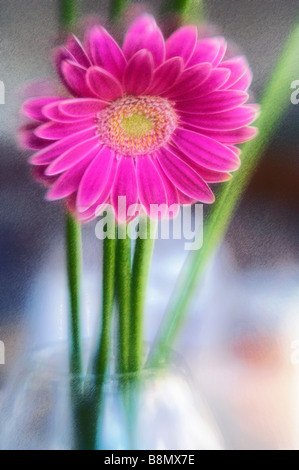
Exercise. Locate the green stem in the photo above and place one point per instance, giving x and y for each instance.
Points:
(275, 101)
(89, 412)
(176, 6)
(68, 12)
(141, 266)
(102, 356)
(123, 284)
(195, 11)
(73, 241)
(188, 10)
(116, 8)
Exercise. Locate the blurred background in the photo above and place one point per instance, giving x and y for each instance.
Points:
(240, 338)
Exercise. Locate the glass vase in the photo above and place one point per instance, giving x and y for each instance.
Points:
(43, 408)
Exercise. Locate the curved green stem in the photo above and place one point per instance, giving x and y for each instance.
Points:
(74, 249)
(274, 103)
(141, 266)
(123, 288)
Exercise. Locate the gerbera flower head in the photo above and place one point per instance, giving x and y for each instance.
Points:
(154, 121)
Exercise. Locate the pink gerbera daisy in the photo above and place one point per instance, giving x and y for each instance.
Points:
(154, 121)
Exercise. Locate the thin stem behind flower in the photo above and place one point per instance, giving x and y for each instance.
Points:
(176, 6)
(116, 8)
(68, 12)
(187, 10)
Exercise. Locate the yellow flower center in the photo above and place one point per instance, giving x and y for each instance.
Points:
(135, 126)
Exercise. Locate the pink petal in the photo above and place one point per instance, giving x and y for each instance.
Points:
(228, 120)
(61, 55)
(213, 176)
(205, 151)
(138, 73)
(105, 52)
(217, 102)
(100, 205)
(95, 179)
(170, 189)
(58, 130)
(103, 84)
(221, 52)
(70, 204)
(75, 78)
(237, 67)
(206, 50)
(125, 185)
(46, 156)
(38, 173)
(182, 43)
(27, 139)
(210, 50)
(244, 82)
(75, 47)
(166, 75)
(145, 34)
(82, 107)
(210, 176)
(184, 177)
(235, 149)
(190, 79)
(186, 200)
(92, 212)
(69, 181)
(73, 110)
(215, 80)
(54, 113)
(33, 108)
(150, 184)
(237, 136)
(72, 156)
